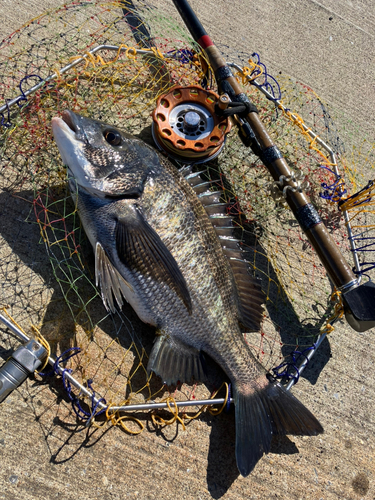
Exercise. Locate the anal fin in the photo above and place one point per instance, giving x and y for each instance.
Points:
(175, 361)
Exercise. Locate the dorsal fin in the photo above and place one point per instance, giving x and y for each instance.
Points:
(210, 197)
(223, 231)
(221, 220)
(251, 297)
(203, 187)
(228, 241)
(249, 288)
(185, 170)
(194, 178)
(216, 209)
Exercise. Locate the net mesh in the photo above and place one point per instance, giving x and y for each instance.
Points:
(46, 262)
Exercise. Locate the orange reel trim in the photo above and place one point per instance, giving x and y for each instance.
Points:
(173, 142)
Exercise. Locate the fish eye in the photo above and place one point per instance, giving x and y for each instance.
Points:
(112, 137)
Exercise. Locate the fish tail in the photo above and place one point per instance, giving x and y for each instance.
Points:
(262, 410)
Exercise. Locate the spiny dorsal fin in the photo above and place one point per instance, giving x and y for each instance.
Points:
(229, 241)
(216, 210)
(224, 231)
(193, 178)
(221, 221)
(249, 289)
(210, 197)
(203, 187)
(185, 170)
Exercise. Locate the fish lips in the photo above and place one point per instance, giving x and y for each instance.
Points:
(67, 126)
(73, 122)
(70, 139)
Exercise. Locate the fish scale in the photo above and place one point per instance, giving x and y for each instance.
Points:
(156, 246)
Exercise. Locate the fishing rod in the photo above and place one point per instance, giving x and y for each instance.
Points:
(358, 299)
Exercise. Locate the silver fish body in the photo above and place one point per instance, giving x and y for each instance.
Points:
(156, 246)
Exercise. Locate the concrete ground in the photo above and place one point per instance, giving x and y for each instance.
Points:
(328, 45)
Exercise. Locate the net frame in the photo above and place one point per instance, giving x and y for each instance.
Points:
(56, 75)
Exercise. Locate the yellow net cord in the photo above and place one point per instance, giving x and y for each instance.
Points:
(361, 199)
(39, 338)
(116, 418)
(338, 312)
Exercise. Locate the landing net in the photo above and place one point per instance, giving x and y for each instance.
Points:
(46, 262)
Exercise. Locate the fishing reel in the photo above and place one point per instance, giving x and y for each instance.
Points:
(186, 127)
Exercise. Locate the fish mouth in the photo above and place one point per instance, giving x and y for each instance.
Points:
(68, 137)
(68, 117)
(65, 126)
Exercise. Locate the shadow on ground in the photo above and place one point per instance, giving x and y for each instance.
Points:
(27, 254)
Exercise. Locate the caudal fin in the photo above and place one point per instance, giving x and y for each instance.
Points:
(263, 412)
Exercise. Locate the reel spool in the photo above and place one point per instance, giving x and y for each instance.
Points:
(186, 126)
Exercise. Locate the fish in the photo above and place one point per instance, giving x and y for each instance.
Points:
(163, 242)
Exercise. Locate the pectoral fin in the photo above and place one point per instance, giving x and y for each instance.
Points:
(140, 248)
(112, 284)
(175, 361)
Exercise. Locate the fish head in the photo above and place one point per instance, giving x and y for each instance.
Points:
(101, 159)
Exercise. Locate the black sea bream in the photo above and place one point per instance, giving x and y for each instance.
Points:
(156, 246)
